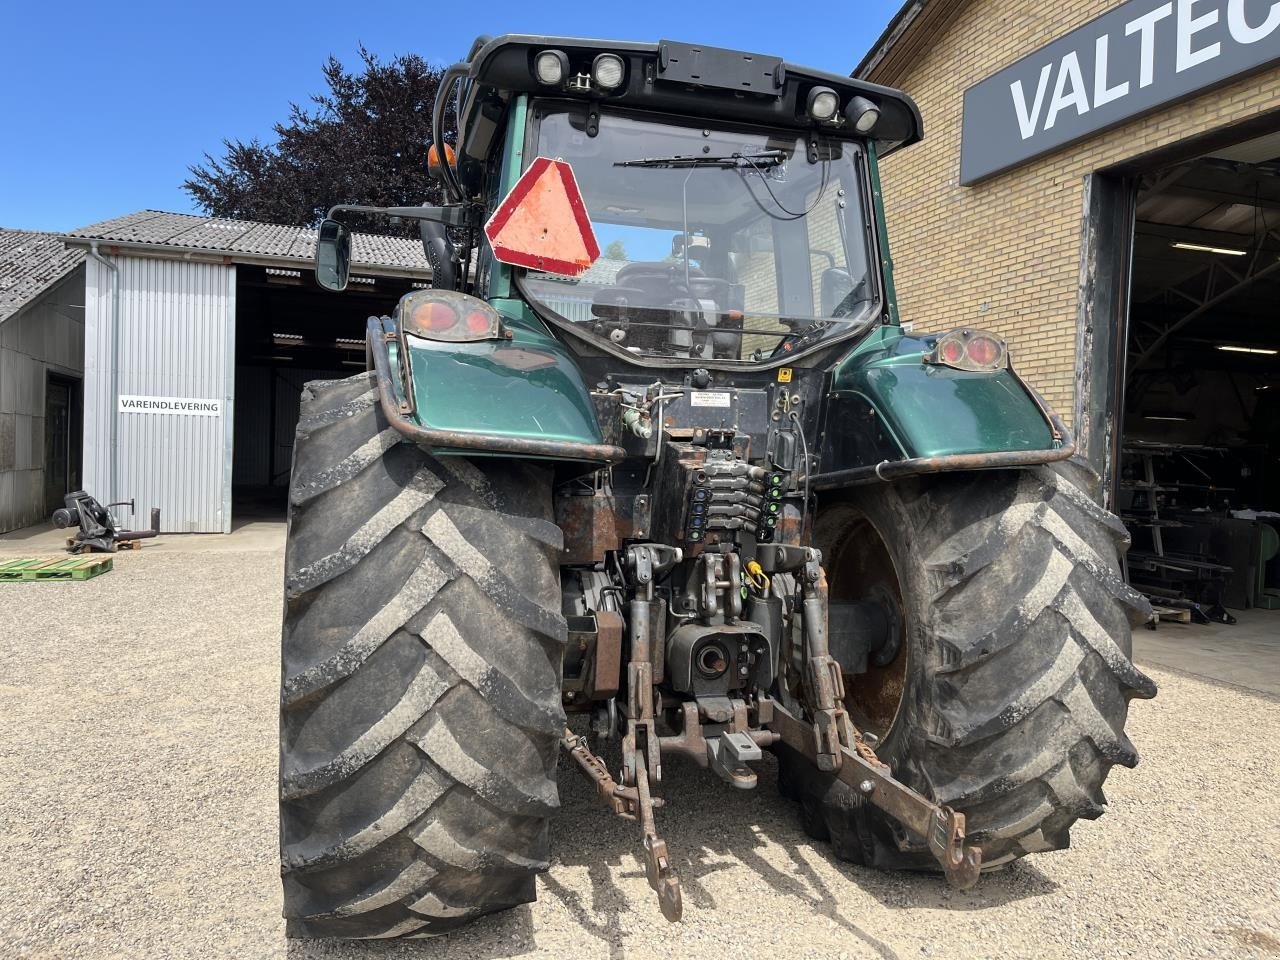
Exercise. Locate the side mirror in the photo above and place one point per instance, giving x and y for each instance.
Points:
(333, 256)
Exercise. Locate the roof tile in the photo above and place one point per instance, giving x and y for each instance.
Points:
(218, 235)
(30, 263)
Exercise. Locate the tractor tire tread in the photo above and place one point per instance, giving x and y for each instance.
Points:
(420, 689)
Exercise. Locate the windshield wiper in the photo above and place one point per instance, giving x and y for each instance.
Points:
(765, 158)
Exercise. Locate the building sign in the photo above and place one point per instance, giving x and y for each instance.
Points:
(1139, 56)
(189, 406)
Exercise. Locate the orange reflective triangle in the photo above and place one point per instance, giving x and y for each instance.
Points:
(542, 223)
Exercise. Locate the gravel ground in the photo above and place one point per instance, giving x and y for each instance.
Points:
(137, 816)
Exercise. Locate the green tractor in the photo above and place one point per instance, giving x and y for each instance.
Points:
(702, 493)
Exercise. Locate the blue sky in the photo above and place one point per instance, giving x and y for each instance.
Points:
(106, 105)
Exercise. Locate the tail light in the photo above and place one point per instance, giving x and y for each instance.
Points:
(967, 349)
(448, 315)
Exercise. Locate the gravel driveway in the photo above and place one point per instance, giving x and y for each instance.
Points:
(138, 819)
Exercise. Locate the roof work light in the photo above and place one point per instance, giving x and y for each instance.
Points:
(607, 71)
(863, 114)
(551, 67)
(822, 104)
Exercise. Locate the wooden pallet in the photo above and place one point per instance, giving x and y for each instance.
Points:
(58, 568)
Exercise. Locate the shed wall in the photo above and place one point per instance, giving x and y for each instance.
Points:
(176, 339)
(1005, 254)
(47, 335)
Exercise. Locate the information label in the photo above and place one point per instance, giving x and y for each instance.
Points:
(186, 406)
(710, 398)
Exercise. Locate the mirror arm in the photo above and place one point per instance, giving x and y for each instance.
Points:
(453, 216)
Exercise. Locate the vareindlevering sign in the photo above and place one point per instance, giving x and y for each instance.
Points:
(1141, 55)
(189, 406)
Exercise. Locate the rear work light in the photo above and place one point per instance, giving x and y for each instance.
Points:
(969, 349)
(449, 316)
(551, 67)
(607, 71)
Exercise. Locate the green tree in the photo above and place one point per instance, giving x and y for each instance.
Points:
(615, 250)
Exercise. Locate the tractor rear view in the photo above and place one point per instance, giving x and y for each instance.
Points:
(702, 493)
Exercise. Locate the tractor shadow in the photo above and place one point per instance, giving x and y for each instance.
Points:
(712, 828)
(509, 934)
(596, 886)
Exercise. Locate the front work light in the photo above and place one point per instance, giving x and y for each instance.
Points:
(863, 114)
(822, 104)
(551, 67)
(607, 71)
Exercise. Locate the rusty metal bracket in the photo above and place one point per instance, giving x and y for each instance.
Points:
(823, 681)
(661, 875)
(635, 803)
(595, 770)
(940, 827)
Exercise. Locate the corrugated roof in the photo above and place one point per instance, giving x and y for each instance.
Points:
(31, 263)
(250, 241)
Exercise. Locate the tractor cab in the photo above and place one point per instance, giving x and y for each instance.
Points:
(732, 196)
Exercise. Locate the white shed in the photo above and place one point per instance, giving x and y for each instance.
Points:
(199, 333)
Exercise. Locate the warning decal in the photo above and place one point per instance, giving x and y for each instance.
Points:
(542, 223)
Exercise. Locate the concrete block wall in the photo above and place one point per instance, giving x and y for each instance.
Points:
(1005, 253)
(46, 335)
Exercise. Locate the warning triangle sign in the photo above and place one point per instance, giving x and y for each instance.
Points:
(542, 223)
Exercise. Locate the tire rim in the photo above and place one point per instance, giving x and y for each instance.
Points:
(862, 568)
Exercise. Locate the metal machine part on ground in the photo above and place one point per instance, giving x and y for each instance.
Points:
(96, 529)
(703, 494)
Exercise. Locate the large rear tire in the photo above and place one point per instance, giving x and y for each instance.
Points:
(420, 679)
(1009, 693)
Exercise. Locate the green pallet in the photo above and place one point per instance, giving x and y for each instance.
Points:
(59, 568)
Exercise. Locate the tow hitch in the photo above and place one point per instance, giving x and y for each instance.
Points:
(940, 826)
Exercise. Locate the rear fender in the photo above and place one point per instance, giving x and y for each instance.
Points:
(891, 414)
(519, 396)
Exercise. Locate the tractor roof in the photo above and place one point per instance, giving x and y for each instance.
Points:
(669, 77)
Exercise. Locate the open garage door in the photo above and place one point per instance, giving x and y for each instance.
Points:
(1199, 467)
(288, 332)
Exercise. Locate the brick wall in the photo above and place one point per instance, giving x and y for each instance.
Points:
(1005, 254)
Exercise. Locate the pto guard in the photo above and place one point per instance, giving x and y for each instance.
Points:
(518, 397)
(895, 411)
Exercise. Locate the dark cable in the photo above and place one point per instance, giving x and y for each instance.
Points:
(791, 214)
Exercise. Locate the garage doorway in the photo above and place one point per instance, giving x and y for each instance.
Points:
(1197, 475)
(62, 439)
(288, 332)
